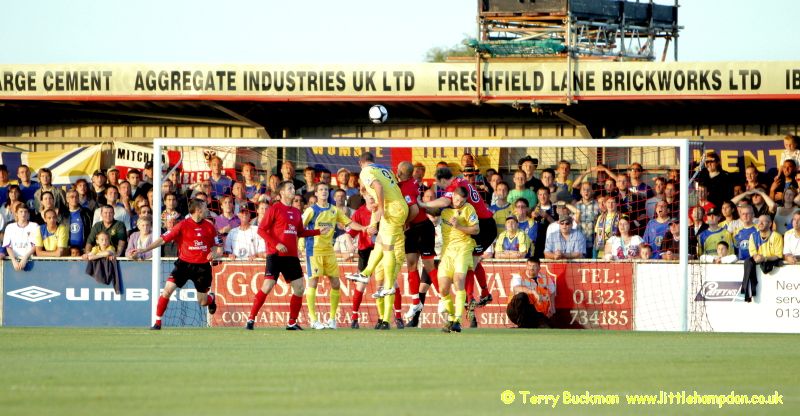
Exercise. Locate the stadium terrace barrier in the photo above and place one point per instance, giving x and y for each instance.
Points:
(591, 294)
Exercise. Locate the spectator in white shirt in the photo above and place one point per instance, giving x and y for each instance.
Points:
(791, 242)
(243, 242)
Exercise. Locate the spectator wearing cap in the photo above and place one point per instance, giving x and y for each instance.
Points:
(568, 243)
(138, 186)
(512, 243)
(708, 239)
(657, 228)
(670, 245)
(528, 165)
(564, 210)
(98, 188)
(243, 242)
(791, 241)
(147, 172)
(4, 184)
(27, 186)
(46, 185)
(719, 182)
(112, 176)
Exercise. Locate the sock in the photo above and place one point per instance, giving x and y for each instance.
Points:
(480, 276)
(162, 307)
(413, 285)
(211, 298)
(311, 303)
(357, 297)
(435, 279)
(398, 305)
(375, 257)
(258, 302)
(469, 284)
(335, 293)
(379, 305)
(461, 297)
(449, 307)
(295, 304)
(388, 305)
(389, 263)
(422, 297)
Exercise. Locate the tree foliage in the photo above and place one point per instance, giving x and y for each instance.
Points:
(440, 54)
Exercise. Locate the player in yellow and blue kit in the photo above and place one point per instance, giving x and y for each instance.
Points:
(320, 257)
(392, 211)
(459, 224)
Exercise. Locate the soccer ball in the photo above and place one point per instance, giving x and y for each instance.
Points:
(378, 114)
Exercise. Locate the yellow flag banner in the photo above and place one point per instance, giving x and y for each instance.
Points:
(489, 81)
(66, 166)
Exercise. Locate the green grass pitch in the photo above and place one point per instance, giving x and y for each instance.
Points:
(71, 371)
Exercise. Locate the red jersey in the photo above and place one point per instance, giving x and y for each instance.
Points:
(410, 191)
(195, 240)
(362, 216)
(473, 197)
(283, 224)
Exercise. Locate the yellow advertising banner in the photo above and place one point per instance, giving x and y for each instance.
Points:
(590, 80)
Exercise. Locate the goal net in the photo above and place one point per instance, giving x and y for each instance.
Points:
(619, 198)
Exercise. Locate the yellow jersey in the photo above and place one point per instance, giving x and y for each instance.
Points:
(315, 217)
(388, 181)
(456, 240)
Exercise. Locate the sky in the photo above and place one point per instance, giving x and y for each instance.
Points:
(333, 31)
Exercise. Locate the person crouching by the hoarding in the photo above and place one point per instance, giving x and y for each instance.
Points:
(534, 298)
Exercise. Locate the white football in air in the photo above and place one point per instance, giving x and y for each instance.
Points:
(378, 114)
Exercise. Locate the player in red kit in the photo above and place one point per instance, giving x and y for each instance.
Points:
(420, 237)
(366, 243)
(483, 240)
(198, 244)
(280, 228)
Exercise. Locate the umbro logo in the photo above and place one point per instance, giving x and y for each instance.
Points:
(33, 293)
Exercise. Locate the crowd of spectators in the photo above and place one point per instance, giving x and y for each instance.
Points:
(600, 213)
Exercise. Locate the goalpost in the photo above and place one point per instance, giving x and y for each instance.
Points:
(594, 286)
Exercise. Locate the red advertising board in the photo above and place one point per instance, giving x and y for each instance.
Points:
(589, 295)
